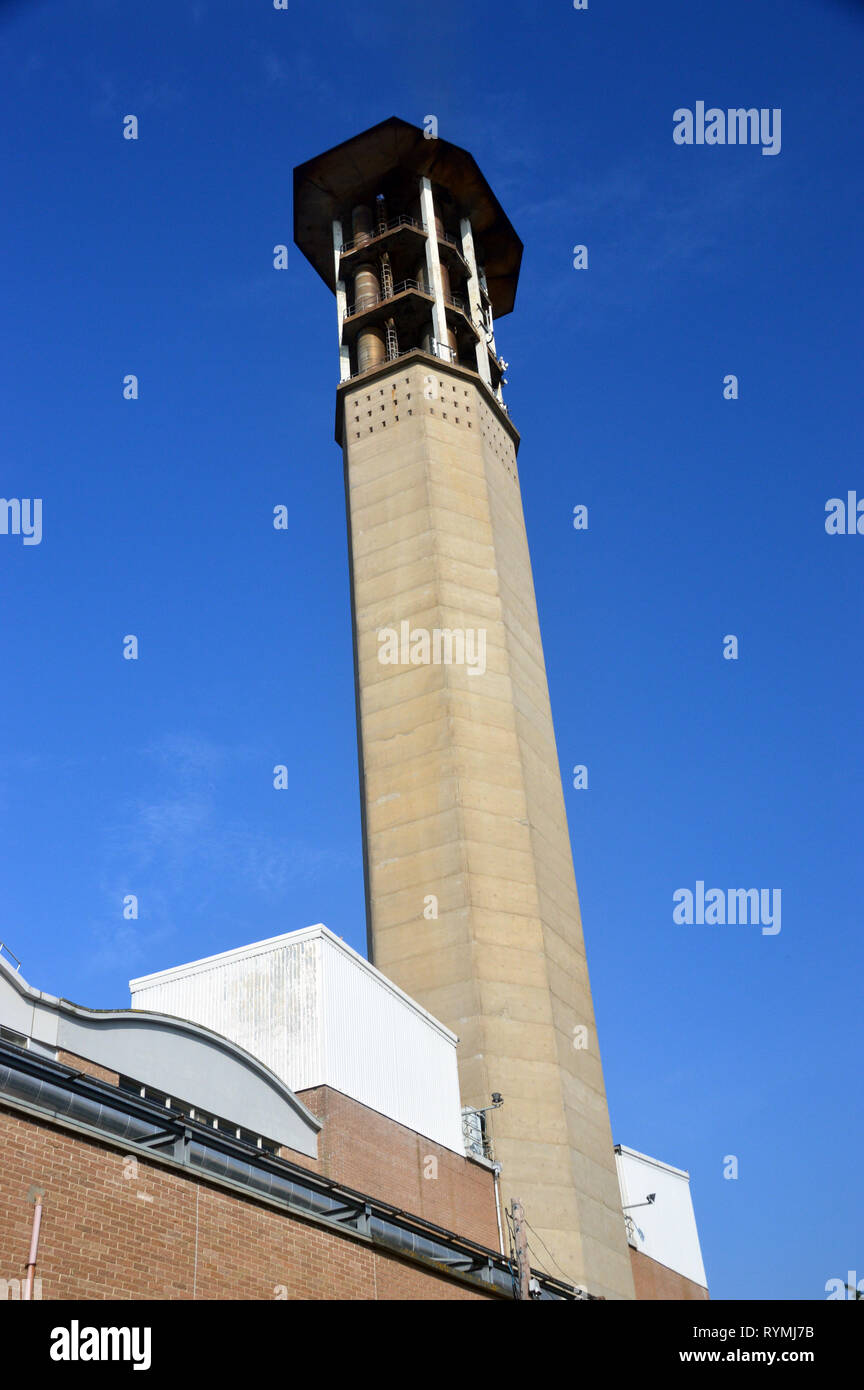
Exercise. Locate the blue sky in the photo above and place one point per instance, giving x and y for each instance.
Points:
(706, 517)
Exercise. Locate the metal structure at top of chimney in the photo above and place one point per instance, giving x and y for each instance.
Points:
(410, 220)
(408, 279)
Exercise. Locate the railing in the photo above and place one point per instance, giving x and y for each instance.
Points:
(394, 223)
(405, 352)
(402, 221)
(4, 947)
(368, 301)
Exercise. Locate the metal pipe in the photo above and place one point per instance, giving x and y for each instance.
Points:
(367, 287)
(496, 1171)
(362, 225)
(34, 1249)
(371, 348)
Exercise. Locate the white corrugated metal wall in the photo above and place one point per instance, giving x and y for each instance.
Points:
(318, 1014)
(382, 1052)
(665, 1230)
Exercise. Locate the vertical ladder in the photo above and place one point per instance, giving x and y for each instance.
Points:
(386, 277)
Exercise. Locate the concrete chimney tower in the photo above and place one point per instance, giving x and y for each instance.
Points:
(471, 897)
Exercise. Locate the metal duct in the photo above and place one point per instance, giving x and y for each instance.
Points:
(371, 348)
(61, 1101)
(362, 225)
(367, 287)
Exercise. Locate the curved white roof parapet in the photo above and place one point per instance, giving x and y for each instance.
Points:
(170, 1054)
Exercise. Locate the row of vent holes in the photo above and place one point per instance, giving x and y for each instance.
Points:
(495, 436)
(498, 431)
(383, 423)
(492, 431)
(355, 403)
(395, 401)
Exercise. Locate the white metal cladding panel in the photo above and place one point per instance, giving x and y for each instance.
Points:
(666, 1231)
(266, 1002)
(319, 1015)
(382, 1052)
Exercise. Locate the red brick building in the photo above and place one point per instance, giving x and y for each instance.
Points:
(173, 1161)
(267, 1195)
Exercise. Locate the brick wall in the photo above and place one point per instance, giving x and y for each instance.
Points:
(375, 1155)
(656, 1281)
(89, 1068)
(381, 1158)
(117, 1227)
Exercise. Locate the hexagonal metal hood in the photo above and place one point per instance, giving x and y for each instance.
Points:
(354, 172)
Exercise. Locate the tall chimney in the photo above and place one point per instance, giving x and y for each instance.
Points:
(471, 897)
